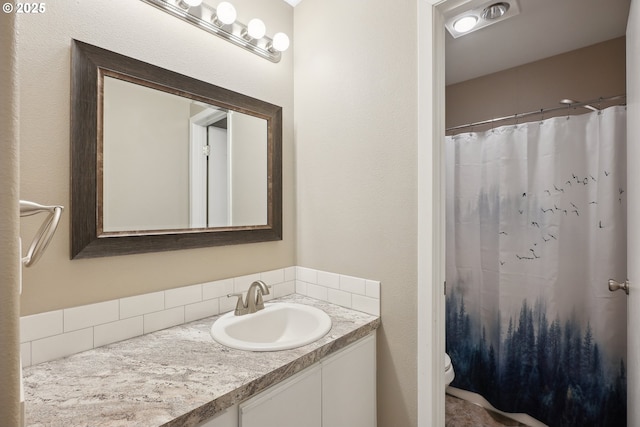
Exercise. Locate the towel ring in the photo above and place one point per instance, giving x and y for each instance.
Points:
(46, 231)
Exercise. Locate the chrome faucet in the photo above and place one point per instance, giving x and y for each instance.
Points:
(253, 301)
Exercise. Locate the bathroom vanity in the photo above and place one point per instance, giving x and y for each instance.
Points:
(339, 390)
(181, 377)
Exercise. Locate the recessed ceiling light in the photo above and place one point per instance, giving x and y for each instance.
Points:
(460, 22)
(495, 11)
(466, 23)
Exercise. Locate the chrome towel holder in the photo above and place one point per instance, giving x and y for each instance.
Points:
(45, 233)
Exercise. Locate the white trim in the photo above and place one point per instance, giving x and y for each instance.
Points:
(633, 205)
(230, 150)
(197, 175)
(430, 328)
(218, 176)
(198, 164)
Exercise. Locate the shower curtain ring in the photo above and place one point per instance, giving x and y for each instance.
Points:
(600, 105)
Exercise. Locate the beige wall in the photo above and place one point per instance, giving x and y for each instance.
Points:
(135, 29)
(9, 196)
(146, 158)
(582, 75)
(248, 169)
(356, 168)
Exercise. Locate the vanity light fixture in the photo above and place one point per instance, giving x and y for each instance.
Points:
(255, 29)
(187, 4)
(280, 42)
(460, 22)
(225, 14)
(221, 21)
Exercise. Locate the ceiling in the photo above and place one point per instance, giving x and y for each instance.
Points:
(542, 29)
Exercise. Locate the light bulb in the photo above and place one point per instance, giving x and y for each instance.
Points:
(465, 24)
(226, 13)
(256, 28)
(186, 4)
(495, 11)
(280, 42)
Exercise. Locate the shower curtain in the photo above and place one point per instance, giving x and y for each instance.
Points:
(536, 225)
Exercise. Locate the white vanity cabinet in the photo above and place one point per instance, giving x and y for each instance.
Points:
(349, 386)
(339, 391)
(295, 402)
(227, 418)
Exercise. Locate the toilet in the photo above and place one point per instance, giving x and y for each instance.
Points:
(449, 375)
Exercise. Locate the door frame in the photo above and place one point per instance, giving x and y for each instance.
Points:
(633, 205)
(431, 209)
(198, 165)
(431, 216)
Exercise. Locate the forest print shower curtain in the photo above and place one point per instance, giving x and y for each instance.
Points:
(536, 225)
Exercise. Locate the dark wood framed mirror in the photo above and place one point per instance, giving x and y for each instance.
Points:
(161, 161)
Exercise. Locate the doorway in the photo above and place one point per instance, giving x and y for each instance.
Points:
(431, 128)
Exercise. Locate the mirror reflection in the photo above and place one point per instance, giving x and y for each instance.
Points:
(161, 161)
(172, 163)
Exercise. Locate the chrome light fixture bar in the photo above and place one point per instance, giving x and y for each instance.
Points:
(206, 18)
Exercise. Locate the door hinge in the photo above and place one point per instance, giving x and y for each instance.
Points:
(206, 150)
(445, 287)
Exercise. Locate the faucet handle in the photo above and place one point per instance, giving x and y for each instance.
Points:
(240, 307)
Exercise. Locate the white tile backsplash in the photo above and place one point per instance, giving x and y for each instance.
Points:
(182, 296)
(366, 304)
(354, 285)
(317, 292)
(346, 291)
(338, 297)
(202, 309)
(290, 274)
(217, 289)
(61, 345)
(41, 325)
(141, 304)
(117, 331)
(163, 319)
(227, 304)
(329, 280)
(242, 283)
(308, 275)
(86, 316)
(301, 287)
(372, 289)
(60, 333)
(286, 288)
(273, 276)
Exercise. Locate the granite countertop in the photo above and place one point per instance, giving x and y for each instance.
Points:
(175, 377)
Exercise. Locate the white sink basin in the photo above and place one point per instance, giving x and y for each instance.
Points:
(279, 326)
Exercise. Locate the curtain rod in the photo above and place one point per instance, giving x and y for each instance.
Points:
(586, 104)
